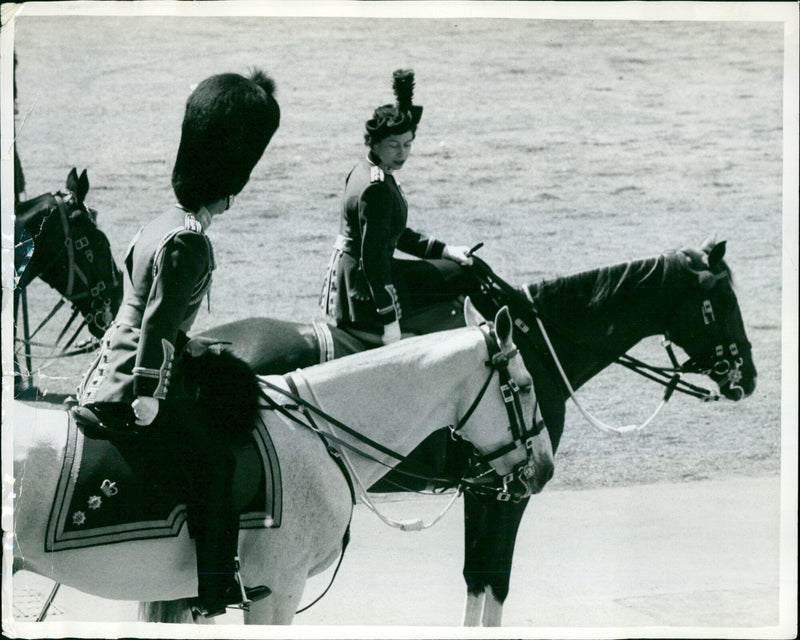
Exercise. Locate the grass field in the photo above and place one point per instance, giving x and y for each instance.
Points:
(562, 145)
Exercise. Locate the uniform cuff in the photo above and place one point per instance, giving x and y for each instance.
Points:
(155, 382)
(390, 311)
(434, 250)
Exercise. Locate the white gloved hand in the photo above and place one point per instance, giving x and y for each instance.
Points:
(391, 332)
(145, 409)
(457, 254)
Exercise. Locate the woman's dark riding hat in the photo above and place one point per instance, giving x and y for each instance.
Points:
(399, 118)
(228, 123)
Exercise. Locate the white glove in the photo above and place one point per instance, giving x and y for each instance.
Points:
(457, 254)
(391, 332)
(145, 409)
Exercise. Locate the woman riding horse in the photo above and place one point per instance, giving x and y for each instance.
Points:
(134, 388)
(366, 289)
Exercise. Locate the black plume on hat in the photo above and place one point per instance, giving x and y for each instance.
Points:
(395, 119)
(229, 121)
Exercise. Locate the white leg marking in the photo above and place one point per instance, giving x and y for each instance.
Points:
(492, 610)
(473, 610)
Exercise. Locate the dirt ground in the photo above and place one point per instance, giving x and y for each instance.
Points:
(677, 558)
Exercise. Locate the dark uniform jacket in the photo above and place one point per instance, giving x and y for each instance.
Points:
(167, 274)
(358, 288)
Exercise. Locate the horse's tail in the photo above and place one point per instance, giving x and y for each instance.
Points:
(178, 611)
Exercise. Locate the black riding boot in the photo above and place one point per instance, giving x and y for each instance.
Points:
(219, 583)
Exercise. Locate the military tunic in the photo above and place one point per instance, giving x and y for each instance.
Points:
(167, 274)
(360, 286)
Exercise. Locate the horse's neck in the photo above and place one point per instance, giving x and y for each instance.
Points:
(595, 317)
(33, 212)
(400, 394)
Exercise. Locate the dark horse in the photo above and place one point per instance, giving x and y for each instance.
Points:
(56, 238)
(592, 319)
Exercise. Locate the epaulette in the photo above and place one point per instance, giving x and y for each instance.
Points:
(375, 174)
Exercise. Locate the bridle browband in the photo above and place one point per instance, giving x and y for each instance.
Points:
(497, 363)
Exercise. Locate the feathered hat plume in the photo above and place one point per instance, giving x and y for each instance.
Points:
(403, 85)
(395, 119)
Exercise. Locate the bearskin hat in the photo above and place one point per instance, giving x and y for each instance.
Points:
(229, 121)
(398, 118)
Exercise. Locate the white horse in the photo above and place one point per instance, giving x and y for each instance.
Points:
(395, 396)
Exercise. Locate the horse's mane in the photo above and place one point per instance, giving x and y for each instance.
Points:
(596, 291)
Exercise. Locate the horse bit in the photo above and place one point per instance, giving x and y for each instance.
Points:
(716, 364)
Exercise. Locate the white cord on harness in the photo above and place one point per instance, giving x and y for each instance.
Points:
(591, 419)
(416, 524)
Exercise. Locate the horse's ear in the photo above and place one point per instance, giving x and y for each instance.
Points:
(716, 256)
(72, 180)
(82, 187)
(503, 327)
(471, 315)
(709, 243)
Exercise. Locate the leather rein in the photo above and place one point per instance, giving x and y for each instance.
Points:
(669, 377)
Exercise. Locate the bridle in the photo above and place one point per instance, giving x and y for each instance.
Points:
(724, 360)
(515, 484)
(526, 316)
(521, 436)
(100, 314)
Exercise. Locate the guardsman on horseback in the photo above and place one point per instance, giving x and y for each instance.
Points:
(134, 387)
(366, 289)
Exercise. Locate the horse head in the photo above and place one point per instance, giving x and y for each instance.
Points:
(708, 325)
(526, 462)
(70, 253)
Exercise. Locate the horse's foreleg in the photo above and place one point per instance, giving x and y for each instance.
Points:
(473, 610)
(492, 610)
(490, 531)
(278, 608)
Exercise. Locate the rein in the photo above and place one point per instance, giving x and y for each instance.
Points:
(498, 362)
(668, 377)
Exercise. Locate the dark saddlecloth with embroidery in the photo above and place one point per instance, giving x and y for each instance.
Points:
(111, 493)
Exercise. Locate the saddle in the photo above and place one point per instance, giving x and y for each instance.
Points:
(422, 321)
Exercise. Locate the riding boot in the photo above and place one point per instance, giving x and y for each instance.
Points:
(219, 583)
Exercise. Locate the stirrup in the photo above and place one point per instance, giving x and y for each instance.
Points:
(245, 600)
(252, 594)
(247, 595)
